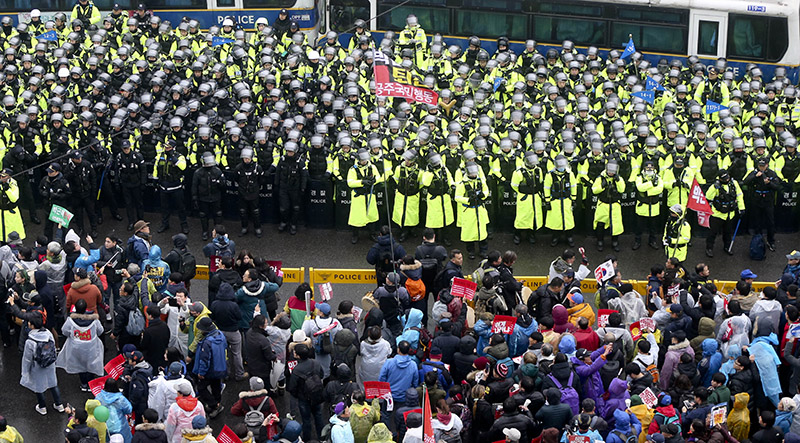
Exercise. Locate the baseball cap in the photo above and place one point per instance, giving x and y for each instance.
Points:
(675, 308)
(512, 434)
(339, 408)
(183, 387)
(657, 438)
(576, 298)
(76, 154)
(582, 353)
(205, 324)
(196, 307)
(54, 167)
(747, 273)
(324, 308)
(794, 255)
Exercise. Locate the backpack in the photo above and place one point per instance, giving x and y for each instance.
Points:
(254, 417)
(339, 357)
(224, 251)
(463, 412)
(633, 438)
(385, 264)
(425, 340)
(668, 420)
(416, 289)
(138, 389)
(88, 439)
(135, 324)
(188, 264)
(758, 248)
(312, 388)
(569, 395)
(323, 342)
(45, 353)
(652, 369)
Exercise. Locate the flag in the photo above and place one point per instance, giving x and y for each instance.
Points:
(652, 84)
(497, 82)
(49, 36)
(604, 272)
(712, 107)
(630, 48)
(226, 435)
(97, 384)
(216, 41)
(648, 96)
(427, 419)
(393, 80)
(114, 367)
(699, 203)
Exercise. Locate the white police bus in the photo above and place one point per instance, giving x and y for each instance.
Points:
(764, 32)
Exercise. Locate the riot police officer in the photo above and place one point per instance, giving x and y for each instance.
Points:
(471, 193)
(439, 204)
(55, 190)
(207, 186)
(560, 192)
(677, 233)
(649, 188)
(361, 178)
(249, 177)
(292, 181)
(10, 218)
(727, 201)
(81, 178)
(764, 183)
(527, 181)
(131, 175)
(408, 181)
(168, 170)
(608, 187)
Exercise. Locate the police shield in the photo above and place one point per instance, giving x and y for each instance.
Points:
(320, 208)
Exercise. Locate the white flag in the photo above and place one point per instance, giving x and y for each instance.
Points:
(604, 272)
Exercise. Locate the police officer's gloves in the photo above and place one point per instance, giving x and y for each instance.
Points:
(369, 181)
(741, 213)
(547, 205)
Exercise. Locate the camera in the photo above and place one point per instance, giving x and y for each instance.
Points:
(119, 271)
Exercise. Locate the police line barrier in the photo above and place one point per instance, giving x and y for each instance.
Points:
(367, 276)
(290, 275)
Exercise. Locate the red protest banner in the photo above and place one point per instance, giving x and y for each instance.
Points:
(463, 288)
(291, 365)
(97, 384)
(579, 439)
(647, 324)
(326, 289)
(648, 397)
(114, 367)
(602, 317)
(503, 324)
(698, 203)
(374, 389)
(226, 435)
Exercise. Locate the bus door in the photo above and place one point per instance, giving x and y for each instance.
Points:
(708, 33)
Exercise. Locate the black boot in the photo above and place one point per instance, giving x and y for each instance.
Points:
(35, 218)
(709, 252)
(615, 243)
(354, 238)
(282, 227)
(637, 243)
(516, 238)
(532, 237)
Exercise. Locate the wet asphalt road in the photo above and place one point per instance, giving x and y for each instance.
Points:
(332, 249)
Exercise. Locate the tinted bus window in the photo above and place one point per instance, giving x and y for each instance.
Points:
(431, 19)
(558, 29)
(345, 12)
(748, 36)
(491, 24)
(650, 37)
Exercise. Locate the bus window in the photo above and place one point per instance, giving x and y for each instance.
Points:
(433, 20)
(708, 37)
(226, 3)
(345, 12)
(499, 5)
(558, 29)
(570, 9)
(746, 34)
(651, 37)
(491, 24)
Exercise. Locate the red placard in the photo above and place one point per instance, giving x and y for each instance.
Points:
(213, 264)
(97, 384)
(114, 367)
(326, 290)
(226, 435)
(636, 331)
(374, 389)
(602, 316)
(291, 365)
(699, 203)
(463, 288)
(276, 267)
(579, 439)
(648, 397)
(503, 324)
(647, 324)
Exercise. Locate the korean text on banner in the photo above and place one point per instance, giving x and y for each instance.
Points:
(503, 324)
(463, 288)
(374, 389)
(602, 317)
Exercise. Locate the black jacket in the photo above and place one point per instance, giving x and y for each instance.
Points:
(224, 310)
(561, 372)
(515, 420)
(81, 178)
(303, 370)
(463, 359)
(208, 184)
(259, 353)
(131, 170)
(541, 302)
(228, 276)
(150, 433)
(55, 190)
(449, 344)
(249, 177)
(155, 340)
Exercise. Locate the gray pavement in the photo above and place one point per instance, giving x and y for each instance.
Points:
(332, 249)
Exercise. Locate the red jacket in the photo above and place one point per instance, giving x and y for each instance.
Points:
(587, 339)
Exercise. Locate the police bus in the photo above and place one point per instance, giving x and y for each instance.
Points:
(307, 13)
(764, 32)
